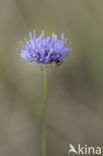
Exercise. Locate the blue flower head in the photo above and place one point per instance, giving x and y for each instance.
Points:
(45, 51)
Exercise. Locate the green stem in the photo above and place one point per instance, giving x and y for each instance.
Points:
(45, 114)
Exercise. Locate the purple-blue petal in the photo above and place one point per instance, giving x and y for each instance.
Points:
(45, 51)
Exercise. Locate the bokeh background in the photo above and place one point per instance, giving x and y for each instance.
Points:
(75, 111)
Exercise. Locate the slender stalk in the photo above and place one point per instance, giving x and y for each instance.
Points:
(45, 114)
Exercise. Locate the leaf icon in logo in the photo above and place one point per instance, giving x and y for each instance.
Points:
(72, 149)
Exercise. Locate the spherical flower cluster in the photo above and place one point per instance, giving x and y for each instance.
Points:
(45, 51)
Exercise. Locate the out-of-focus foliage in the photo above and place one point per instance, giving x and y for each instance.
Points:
(75, 112)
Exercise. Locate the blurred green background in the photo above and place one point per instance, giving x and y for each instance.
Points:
(75, 112)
